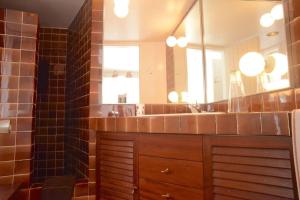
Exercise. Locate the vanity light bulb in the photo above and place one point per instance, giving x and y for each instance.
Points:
(121, 8)
(266, 20)
(252, 64)
(182, 42)
(121, 12)
(173, 97)
(277, 12)
(281, 64)
(171, 41)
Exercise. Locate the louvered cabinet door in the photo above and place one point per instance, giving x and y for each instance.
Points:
(116, 164)
(248, 168)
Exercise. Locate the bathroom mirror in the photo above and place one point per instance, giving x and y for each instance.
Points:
(135, 50)
(245, 45)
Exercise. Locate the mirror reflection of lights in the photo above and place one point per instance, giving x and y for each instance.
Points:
(251, 64)
(280, 64)
(121, 9)
(173, 97)
(171, 41)
(277, 12)
(182, 42)
(266, 20)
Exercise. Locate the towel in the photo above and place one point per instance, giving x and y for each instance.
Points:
(296, 144)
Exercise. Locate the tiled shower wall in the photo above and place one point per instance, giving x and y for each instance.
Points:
(77, 93)
(18, 35)
(49, 138)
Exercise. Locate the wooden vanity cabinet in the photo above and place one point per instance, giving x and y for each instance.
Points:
(249, 167)
(194, 167)
(170, 167)
(116, 167)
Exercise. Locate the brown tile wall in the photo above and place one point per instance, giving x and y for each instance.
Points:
(18, 35)
(49, 138)
(77, 93)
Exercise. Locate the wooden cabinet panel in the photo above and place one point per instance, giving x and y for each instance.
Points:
(179, 172)
(183, 147)
(242, 167)
(116, 167)
(150, 190)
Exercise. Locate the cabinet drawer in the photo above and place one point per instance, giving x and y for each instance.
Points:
(182, 147)
(150, 190)
(179, 172)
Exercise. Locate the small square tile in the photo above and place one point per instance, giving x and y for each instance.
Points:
(249, 123)
(172, 124)
(206, 124)
(226, 124)
(188, 124)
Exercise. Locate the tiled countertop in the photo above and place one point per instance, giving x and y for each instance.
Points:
(265, 123)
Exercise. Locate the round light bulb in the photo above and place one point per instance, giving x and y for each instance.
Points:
(173, 97)
(281, 64)
(252, 64)
(266, 20)
(171, 41)
(121, 11)
(182, 42)
(277, 12)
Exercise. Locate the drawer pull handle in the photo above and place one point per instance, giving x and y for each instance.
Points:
(165, 171)
(166, 196)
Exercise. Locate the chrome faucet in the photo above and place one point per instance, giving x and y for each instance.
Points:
(195, 108)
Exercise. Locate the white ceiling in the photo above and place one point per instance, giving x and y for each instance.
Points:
(53, 13)
(148, 20)
(191, 26)
(230, 21)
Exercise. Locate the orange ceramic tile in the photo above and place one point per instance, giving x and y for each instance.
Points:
(157, 124)
(226, 124)
(249, 123)
(188, 124)
(132, 124)
(275, 123)
(143, 124)
(172, 124)
(206, 124)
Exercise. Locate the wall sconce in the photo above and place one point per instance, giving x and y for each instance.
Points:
(173, 97)
(277, 64)
(181, 42)
(171, 41)
(276, 13)
(252, 64)
(121, 8)
(266, 20)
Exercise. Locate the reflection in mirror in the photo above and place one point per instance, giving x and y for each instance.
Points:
(188, 62)
(135, 52)
(245, 47)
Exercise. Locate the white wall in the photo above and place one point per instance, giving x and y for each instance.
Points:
(153, 84)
